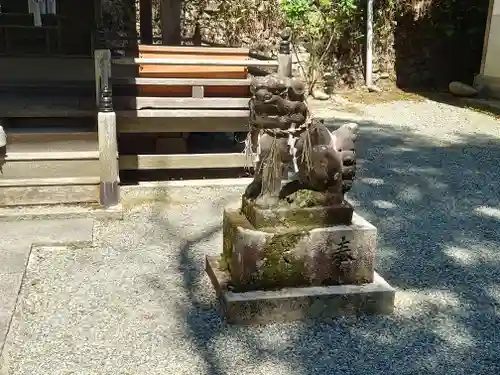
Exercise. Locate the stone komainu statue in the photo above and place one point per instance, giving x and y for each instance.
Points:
(284, 133)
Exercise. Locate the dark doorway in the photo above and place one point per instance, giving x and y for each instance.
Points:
(65, 27)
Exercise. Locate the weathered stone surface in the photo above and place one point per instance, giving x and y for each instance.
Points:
(373, 88)
(461, 89)
(266, 260)
(291, 304)
(320, 95)
(293, 216)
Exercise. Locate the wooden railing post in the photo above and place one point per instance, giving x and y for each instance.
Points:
(284, 55)
(109, 192)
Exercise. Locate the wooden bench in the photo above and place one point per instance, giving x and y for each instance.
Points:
(176, 90)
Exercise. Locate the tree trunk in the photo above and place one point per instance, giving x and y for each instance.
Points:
(171, 22)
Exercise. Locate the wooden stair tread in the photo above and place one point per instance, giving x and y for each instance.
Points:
(194, 62)
(59, 155)
(180, 81)
(143, 102)
(183, 161)
(60, 181)
(183, 113)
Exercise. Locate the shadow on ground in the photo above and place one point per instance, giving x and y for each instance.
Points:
(438, 210)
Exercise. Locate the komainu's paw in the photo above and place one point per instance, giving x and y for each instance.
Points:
(253, 190)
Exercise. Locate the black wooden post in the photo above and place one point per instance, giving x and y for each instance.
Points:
(146, 21)
(171, 14)
(284, 55)
(106, 102)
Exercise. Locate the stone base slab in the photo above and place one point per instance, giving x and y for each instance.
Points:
(292, 304)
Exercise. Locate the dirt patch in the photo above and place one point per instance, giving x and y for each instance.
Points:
(363, 96)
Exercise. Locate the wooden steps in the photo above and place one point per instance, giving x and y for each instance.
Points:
(50, 168)
(36, 106)
(180, 90)
(35, 193)
(203, 72)
(181, 81)
(182, 87)
(189, 62)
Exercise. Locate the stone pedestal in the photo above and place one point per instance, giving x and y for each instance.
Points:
(297, 256)
(275, 259)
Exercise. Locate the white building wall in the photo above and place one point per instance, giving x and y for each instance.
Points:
(492, 57)
(488, 81)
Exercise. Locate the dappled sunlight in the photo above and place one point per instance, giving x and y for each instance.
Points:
(427, 170)
(445, 308)
(259, 351)
(433, 205)
(491, 212)
(394, 223)
(474, 255)
(461, 255)
(275, 367)
(372, 181)
(400, 149)
(435, 300)
(142, 289)
(442, 227)
(493, 292)
(384, 204)
(410, 194)
(452, 332)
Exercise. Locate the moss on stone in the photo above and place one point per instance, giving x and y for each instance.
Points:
(280, 269)
(227, 234)
(232, 219)
(223, 263)
(308, 198)
(248, 209)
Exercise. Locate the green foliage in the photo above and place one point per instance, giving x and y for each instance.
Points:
(320, 25)
(333, 31)
(295, 10)
(309, 16)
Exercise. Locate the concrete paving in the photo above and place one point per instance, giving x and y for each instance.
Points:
(60, 212)
(16, 241)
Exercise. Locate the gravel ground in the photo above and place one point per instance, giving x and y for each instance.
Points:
(139, 302)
